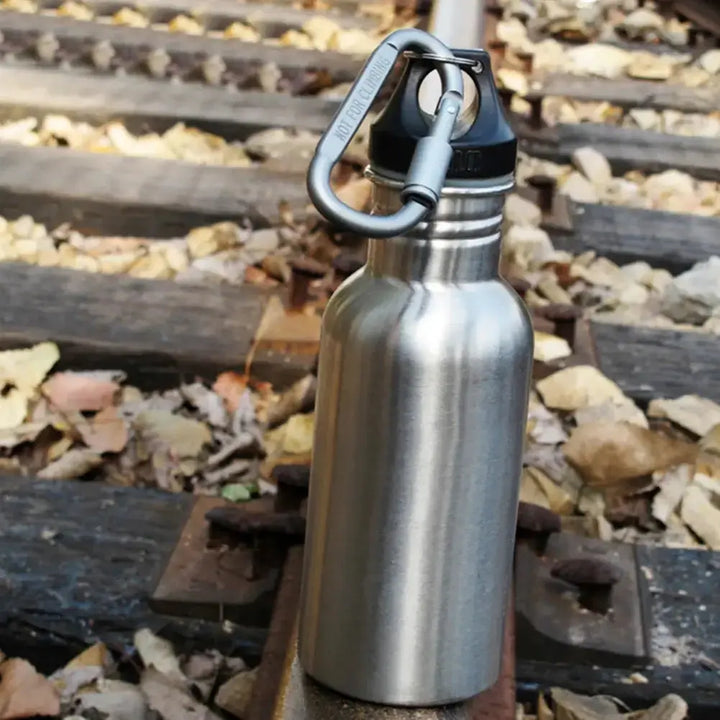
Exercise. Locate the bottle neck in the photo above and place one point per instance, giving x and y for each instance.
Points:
(460, 242)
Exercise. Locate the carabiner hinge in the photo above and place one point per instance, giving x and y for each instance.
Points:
(433, 153)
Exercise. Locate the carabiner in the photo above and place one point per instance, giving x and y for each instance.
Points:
(433, 153)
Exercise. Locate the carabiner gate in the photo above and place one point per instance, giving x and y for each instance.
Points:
(433, 153)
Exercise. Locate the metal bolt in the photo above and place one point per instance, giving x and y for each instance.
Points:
(303, 271)
(593, 576)
(213, 69)
(102, 55)
(46, 47)
(493, 14)
(506, 96)
(498, 50)
(527, 59)
(536, 107)
(545, 186)
(565, 318)
(157, 62)
(535, 524)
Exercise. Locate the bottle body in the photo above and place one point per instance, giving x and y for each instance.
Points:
(423, 380)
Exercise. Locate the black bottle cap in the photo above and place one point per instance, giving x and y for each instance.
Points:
(487, 150)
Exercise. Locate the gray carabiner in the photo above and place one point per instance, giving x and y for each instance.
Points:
(433, 153)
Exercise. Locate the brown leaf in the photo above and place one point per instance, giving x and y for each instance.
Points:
(25, 693)
(69, 391)
(171, 701)
(72, 465)
(356, 193)
(106, 432)
(701, 516)
(569, 706)
(230, 386)
(609, 453)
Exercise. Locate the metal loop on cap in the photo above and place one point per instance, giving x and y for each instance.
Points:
(430, 163)
(432, 57)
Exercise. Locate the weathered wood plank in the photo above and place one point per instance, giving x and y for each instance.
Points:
(625, 148)
(156, 330)
(269, 19)
(113, 194)
(143, 104)
(632, 93)
(703, 13)
(651, 362)
(90, 581)
(77, 38)
(674, 241)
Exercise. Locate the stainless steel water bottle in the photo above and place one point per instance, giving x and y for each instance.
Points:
(424, 371)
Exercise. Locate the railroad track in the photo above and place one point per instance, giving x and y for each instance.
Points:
(96, 67)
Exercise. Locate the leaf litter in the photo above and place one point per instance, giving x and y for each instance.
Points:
(98, 684)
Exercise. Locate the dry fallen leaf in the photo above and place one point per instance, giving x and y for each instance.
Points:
(672, 484)
(578, 387)
(105, 432)
(611, 453)
(24, 693)
(73, 464)
(170, 701)
(68, 391)
(295, 437)
(692, 412)
(230, 386)
(701, 516)
(158, 653)
(165, 431)
(21, 372)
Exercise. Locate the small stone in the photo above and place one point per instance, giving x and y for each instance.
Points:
(633, 294)
(650, 66)
(661, 186)
(579, 189)
(675, 32)
(529, 247)
(261, 243)
(578, 387)
(234, 695)
(547, 347)
(641, 22)
(710, 61)
(513, 32)
(693, 296)
(645, 119)
(210, 239)
(513, 80)
(639, 272)
(269, 76)
(593, 165)
(241, 31)
(520, 211)
(598, 59)
(659, 280)
(151, 267)
(176, 257)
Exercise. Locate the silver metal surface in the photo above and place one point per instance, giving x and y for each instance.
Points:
(424, 371)
(458, 28)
